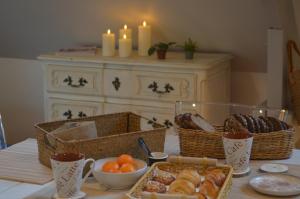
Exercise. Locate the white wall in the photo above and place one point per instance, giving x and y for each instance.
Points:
(21, 97)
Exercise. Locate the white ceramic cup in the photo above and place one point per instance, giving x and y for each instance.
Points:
(67, 170)
(237, 152)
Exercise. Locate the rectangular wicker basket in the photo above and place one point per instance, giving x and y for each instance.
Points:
(198, 143)
(266, 146)
(177, 164)
(117, 134)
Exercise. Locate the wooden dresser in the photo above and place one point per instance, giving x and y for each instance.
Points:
(78, 86)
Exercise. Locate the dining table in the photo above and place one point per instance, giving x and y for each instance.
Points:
(240, 189)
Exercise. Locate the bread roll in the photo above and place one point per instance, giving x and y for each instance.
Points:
(201, 196)
(209, 188)
(153, 186)
(215, 175)
(163, 177)
(190, 175)
(182, 186)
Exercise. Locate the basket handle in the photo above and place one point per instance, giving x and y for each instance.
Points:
(291, 45)
(51, 144)
(193, 160)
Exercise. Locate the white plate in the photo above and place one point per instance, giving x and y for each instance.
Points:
(276, 184)
(274, 168)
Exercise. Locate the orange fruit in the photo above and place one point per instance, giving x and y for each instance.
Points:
(127, 167)
(110, 166)
(123, 159)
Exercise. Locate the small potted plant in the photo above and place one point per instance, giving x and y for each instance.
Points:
(190, 47)
(161, 49)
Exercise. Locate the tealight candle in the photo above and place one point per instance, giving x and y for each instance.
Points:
(125, 30)
(144, 39)
(108, 43)
(125, 46)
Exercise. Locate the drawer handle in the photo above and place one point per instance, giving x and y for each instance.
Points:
(81, 82)
(154, 88)
(167, 123)
(81, 114)
(116, 83)
(68, 114)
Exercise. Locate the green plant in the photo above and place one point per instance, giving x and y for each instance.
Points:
(161, 46)
(190, 45)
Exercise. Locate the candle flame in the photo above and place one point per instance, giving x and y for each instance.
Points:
(260, 111)
(124, 36)
(125, 26)
(283, 111)
(144, 23)
(108, 31)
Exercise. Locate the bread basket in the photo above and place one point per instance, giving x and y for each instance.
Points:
(176, 164)
(198, 143)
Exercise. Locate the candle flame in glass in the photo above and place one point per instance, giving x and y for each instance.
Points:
(260, 111)
(144, 23)
(194, 105)
(108, 31)
(125, 27)
(282, 110)
(124, 36)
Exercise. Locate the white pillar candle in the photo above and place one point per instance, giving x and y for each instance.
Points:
(125, 46)
(125, 31)
(144, 39)
(108, 43)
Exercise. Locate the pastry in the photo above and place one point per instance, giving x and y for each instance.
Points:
(163, 177)
(201, 196)
(154, 186)
(209, 188)
(241, 119)
(268, 123)
(256, 124)
(250, 123)
(263, 126)
(182, 186)
(193, 121)
(276, 123)
(190, 175)
(215, 175)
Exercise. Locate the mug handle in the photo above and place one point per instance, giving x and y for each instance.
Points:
(90, 171)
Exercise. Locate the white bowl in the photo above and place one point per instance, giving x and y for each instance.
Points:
(118, 180)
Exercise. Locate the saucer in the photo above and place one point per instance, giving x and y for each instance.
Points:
(80, 195)
(274, 168)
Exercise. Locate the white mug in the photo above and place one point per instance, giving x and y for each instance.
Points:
(67, 170)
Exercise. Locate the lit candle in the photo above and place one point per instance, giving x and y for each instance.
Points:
(125, 46)
(125, 30)
(108, 43)
(144, 39)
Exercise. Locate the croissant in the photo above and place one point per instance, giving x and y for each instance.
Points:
(201, 196)
(209, 188)
(182, 186)
(190, 175)
(215, 175)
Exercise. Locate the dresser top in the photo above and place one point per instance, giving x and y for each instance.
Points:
(174, 59)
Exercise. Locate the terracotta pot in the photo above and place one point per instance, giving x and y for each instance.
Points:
(161, 54)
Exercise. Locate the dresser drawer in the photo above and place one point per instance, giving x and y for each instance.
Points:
(68, 109)
(164, 86)
(149, 85)
(74, 79)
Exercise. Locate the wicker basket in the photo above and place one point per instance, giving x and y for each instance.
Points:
(117, 134)
(175, 166)
(294, 79)
(266, 146)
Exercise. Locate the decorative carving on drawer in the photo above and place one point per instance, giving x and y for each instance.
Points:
(81, 114)
(68, 114)
(154, 88)
(81, 82)
(116, 83)
(167, 123)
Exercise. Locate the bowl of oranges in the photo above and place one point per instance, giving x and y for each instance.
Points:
(119, 172)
